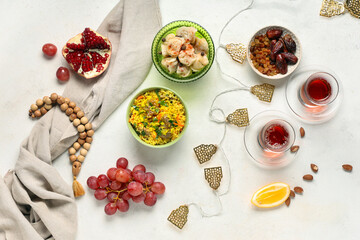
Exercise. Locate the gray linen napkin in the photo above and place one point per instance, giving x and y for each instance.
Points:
(35, 202)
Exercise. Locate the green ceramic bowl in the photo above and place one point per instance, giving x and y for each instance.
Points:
(171, 28)
(132, 130)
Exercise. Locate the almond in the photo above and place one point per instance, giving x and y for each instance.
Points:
(302, 132)
(294, 149)
(308, 177)
(287, 201)
(298, 190)
(292, 194)
(347, 167)
(314, 168)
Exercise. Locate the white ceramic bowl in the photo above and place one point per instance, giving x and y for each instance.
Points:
(291, 68)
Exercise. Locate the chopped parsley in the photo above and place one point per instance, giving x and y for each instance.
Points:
(136, 107)
(163, 103)
(157, 93)
(172, 123)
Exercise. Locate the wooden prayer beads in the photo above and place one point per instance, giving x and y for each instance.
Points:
(80, 122)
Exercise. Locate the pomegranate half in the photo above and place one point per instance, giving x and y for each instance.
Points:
(88, 53)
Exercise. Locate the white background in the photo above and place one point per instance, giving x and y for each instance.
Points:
(329, 207)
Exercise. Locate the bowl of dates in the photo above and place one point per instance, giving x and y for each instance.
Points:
(274, 52)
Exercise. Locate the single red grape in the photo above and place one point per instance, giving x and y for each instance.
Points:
(150, 178)
(103, 180)
(115, 185)
(92, 183)
(110, 208)
(135, 188)
(139, 176)
(150, 199)
(129, 171)
(122, 205)
(122, 163)
(100, 194)
(138, 198)
(122, 175)
(111, 196)
(111, 173)
(63, 74)
(158, 188)
(139, 167)
(126, 196)
(49, 49)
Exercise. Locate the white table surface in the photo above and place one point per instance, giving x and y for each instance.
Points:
(329, 207)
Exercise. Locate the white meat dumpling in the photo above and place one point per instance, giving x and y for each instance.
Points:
(183, 70)
(174, 45)
(188, 33)
(201, 45)
(200, 62)
(169, 36)
(164, 45)
(187, 55)
(170, 64)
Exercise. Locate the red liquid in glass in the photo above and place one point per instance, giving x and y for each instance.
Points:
(319, 89)
(276, 136)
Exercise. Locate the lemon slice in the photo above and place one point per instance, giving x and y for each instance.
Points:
(271, 195)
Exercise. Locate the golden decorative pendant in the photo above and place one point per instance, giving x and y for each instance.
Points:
(353, 6)
(178, 217)
(205, 152)
(264, 92)
(213, 176)
(330, 8)
(237, 51)
(239, 118)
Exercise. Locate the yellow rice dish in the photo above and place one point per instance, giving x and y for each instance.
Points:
(158, 116)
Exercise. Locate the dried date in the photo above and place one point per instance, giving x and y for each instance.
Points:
(281, 64)
(290, 43)
(290, 58)
(272, 44)
(274, 33)
(277, 48)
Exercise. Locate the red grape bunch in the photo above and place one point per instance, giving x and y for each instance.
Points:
(120, 184)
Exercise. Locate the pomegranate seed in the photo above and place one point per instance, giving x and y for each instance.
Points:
(49, 49)
(63, 74)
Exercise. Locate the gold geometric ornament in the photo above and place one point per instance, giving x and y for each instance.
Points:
(264, 91)
(353, 6)
(239, 118)
(330, 8)
(213, 176)
(237, 51)
(178, 217)
(205, 152)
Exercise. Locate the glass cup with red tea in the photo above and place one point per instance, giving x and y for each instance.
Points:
(319, 90)
(276, 137)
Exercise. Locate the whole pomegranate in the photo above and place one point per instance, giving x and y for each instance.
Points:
(88, 53)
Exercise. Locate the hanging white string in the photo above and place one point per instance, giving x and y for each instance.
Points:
(213, 118)
(223, 121)
(203, 213)
(223, 46)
